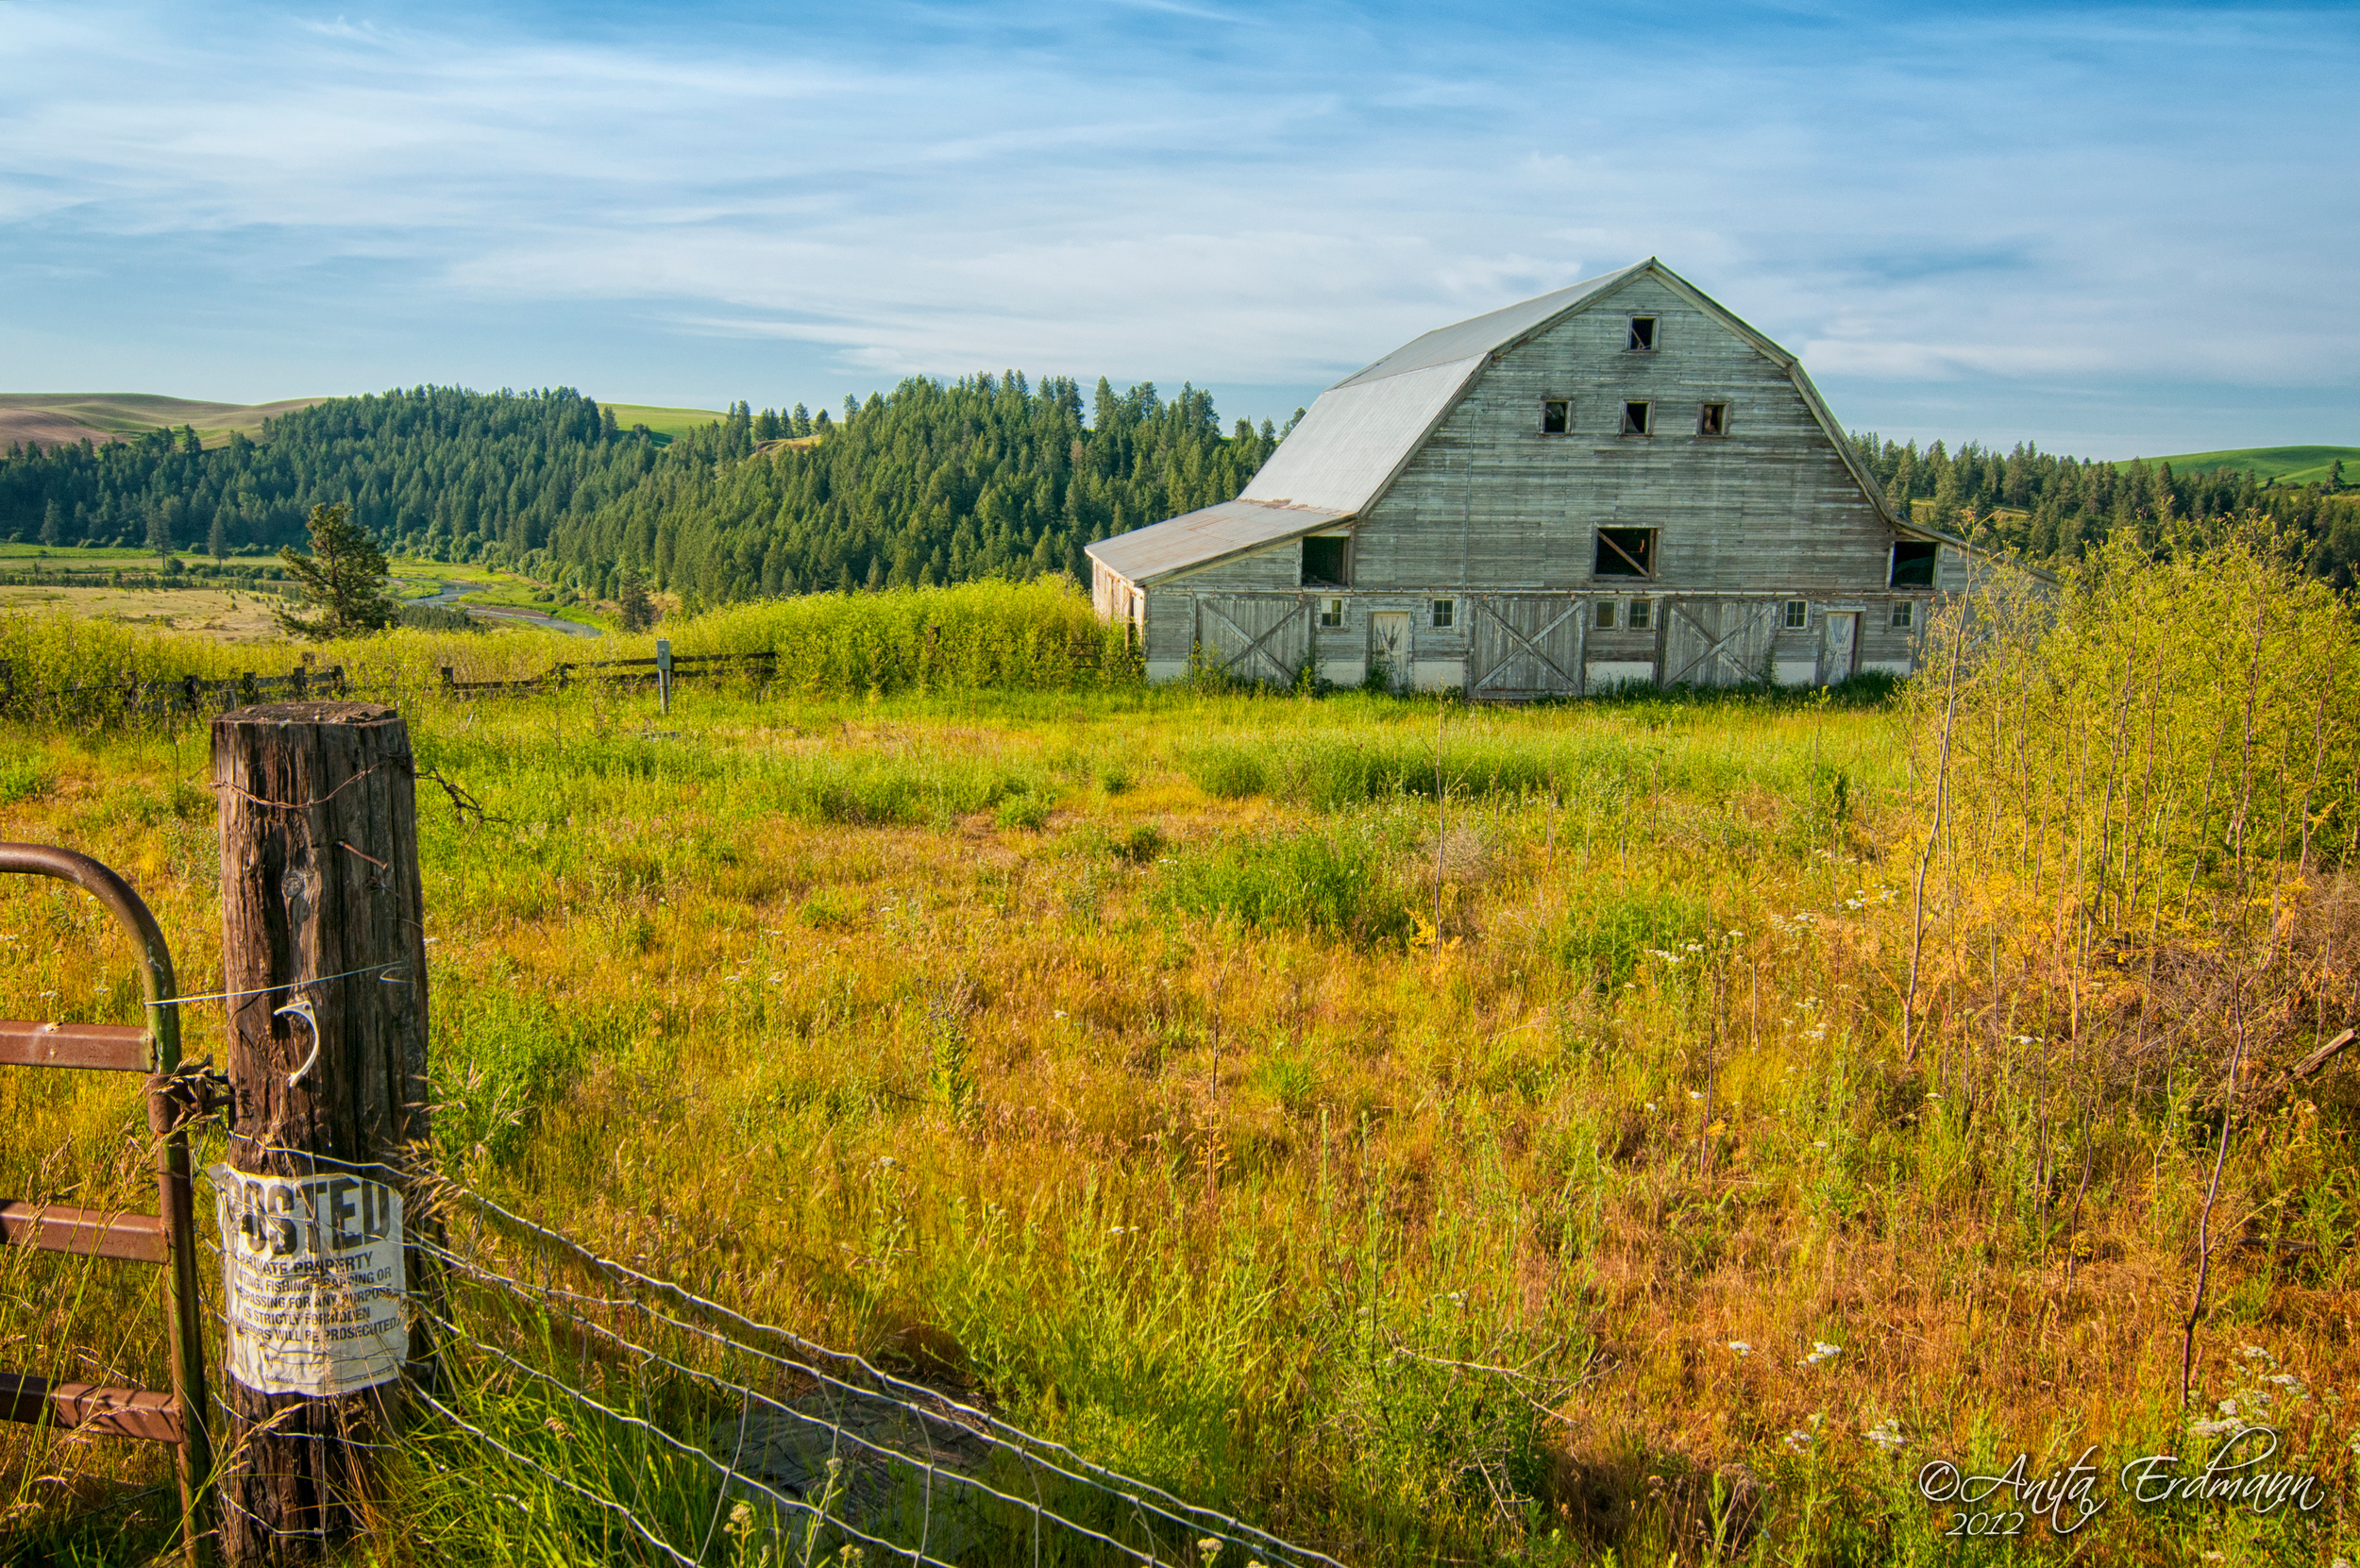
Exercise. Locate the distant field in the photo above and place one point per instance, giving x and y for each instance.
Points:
(663, 422)
(47, 417)
(2286, 465)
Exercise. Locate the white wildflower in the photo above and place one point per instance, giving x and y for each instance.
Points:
(1741, 1348)
(1886, 1434)
(1822, 1351)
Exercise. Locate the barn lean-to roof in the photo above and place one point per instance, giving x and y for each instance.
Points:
(1360, 434)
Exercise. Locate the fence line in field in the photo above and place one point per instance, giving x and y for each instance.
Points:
(954, 1471)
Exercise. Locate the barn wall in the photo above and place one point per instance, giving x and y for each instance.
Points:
(1492, 501)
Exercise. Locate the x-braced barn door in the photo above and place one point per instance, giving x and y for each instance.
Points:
(1717, 642)
(1526, 645)
(1254, 636)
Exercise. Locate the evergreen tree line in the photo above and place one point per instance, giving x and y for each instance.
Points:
(933, 483)
(2043, 505)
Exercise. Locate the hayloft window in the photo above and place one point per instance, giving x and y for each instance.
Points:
(1638, 418)
(1327, 562)
(1556, 413)
(1642, 614)
(1712, 419)
(1625, 552)
(1606, 614)
(1445, 614)
(1797, 614)
(1914, 562)
(1904, 614)
(1641, 339)
(1331, 612)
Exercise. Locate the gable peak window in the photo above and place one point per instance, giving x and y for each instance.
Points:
(1914, 562)
(1638, 418)
(1712, 419)
(1327, 562)
(1641, 338)
(1556, 415)
(1625, 552)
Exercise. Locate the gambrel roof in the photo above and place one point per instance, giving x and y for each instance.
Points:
(1363, 431)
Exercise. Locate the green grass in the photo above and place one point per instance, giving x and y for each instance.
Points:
(2286, 465)
(663, 422)
(1155, 1117)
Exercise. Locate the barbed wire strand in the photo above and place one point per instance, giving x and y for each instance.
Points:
(1242, 1535)
(836, 1428)
(1110, 1481)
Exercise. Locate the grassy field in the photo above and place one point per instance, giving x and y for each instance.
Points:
(1659, 1140)
(2286, 465)
(663, 422)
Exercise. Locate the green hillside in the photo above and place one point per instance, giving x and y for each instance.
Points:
(663, 422)
(2286, 465)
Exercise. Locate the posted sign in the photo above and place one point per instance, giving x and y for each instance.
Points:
(311, 1270)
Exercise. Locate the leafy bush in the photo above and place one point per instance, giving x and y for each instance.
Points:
(23, 779)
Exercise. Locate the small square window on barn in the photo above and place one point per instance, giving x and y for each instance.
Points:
(1554, 415)
(1798, 614)
(1914, 562)
(1331, 612)
(1712, 419)
(1641, 339)
(1642, 614)
(1325, 561)
(1904, 614)
(1625, 552)
(1606, 614)
(1445, 614)
(1637, 419)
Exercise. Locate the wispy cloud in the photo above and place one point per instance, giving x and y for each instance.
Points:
(2015, 202)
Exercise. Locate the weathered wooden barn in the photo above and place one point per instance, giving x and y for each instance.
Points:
(1618, 481)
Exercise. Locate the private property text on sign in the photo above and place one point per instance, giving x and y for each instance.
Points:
(311, 1267)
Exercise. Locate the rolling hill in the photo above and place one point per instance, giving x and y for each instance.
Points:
(48, 417)
(2286, 465)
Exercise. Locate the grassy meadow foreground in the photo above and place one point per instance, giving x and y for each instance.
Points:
(1662, 1138)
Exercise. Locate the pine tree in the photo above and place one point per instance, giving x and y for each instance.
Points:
(638, 610)
(53, 525)
(344, 577)
(217, 537)
(158, 530)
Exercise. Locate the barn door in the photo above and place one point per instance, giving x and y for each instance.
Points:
(1717, 642)
(1839, 655)
(1254, 637)
(1525, 646)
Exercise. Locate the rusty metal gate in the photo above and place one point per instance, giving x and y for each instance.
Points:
(167, 1237)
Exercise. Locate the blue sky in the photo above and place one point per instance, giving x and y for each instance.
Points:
(2114, 230)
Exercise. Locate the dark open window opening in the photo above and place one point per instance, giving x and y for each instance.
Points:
(1712, 419)
(1553, 416)
(1641, 335)
(1625, 552)
(1637, 417)
(1327, 562)
(1914, 562)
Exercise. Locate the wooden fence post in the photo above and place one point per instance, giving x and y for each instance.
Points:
(322, 917)
(664, 675)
